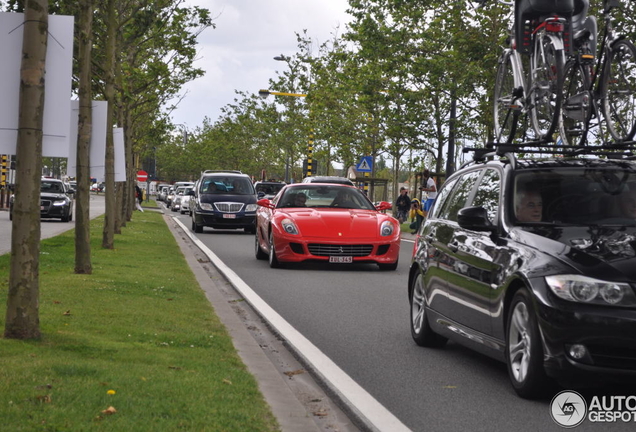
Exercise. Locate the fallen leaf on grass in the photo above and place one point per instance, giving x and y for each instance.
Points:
(44, 398)
(48, 386)
(56, 302)
(449, 386)
(110, 410)
(174, 367)
(292, 373)
(227, 381)
(68, 312)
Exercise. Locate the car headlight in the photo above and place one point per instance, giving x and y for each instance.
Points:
(206, 206)
(251, 207)
(386, 229)
(584, 289)
(59, 202)
(289, 226)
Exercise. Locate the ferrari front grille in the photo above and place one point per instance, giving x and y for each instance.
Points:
(228, 207)
(343, 250)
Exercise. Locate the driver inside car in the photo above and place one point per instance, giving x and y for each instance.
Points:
(528, 206)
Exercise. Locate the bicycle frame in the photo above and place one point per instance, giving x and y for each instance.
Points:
(528, 88)
(587, 106)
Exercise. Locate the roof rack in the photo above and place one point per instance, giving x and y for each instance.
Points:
(625, 150)
(221, 171)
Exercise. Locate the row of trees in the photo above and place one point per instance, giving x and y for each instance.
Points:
(407, 81)
(135, 54)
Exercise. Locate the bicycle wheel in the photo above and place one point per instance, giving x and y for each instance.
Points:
(618, 91)
(506, 109)
(575, 113)
(545, 88)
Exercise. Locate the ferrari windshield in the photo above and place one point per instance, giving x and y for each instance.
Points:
(324, 196)
(575, 196)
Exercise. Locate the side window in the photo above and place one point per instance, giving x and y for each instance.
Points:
(460, 195)
(442, 199)
(487, 194)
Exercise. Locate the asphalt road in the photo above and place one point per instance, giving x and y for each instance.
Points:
(358, 317)
(48, 227)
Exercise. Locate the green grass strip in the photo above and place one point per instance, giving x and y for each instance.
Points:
(137, 335)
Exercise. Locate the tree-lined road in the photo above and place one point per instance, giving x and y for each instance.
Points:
(359, 317)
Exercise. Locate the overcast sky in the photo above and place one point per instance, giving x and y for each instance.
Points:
(238, 54)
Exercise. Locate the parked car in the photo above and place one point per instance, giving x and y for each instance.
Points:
(331, 223)
(268, 189)
(532, 262)
(56, 200)
(223, 200)
(328, 179)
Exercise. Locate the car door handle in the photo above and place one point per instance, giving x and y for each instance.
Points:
(454, 246)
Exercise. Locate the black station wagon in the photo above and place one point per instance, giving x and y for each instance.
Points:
(532, 262)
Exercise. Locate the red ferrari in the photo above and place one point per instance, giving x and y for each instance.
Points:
(332, 223)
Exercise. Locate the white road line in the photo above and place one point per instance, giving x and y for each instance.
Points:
(357, 399)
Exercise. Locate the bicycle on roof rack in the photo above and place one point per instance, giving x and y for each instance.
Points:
(541, 28)
(599, 95)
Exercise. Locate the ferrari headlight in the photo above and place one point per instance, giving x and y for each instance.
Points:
(206, 206)
(59, 202)
(386, 229)
(289, 226)
(584, 289)
(251, 208)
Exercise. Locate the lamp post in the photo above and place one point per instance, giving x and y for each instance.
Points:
(184, 132)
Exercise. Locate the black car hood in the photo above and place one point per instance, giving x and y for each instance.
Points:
(53, 196)
(213, 198)
(600, 252)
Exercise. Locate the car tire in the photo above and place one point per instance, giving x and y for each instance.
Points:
(273, 260)
(260, 255)
(66, 218)
(195, 227)
(421, 331)
(250, 230)
(524, 349)
(389, 267)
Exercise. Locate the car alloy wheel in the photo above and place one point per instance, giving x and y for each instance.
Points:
(524, 349)
(273, 261)
(196, 227)
(260, 255)
(421, 330)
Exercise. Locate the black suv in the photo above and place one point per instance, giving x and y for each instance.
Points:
(223, 200)
(56, 200)
(532, 262)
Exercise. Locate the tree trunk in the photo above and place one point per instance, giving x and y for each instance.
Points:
(82, 216)
(22, 318)
(108, 237)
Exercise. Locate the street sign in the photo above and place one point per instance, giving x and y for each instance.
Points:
(365, 165)
(142, 176)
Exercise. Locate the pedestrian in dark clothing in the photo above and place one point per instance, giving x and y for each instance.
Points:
(139, 197)
(402, 205)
